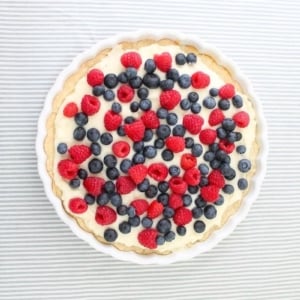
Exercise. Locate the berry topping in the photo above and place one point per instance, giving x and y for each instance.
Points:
(192, 176)
(110, 235)
(70, 110)
(138, 173)
(193, 123)
(90, 105)
(93, 185)
(135, 131)
(150, 119)
(62, 148)
(175, 201)
(191, 58)
(242, 183)
(121, 149)
(199, 226)
(200, 80)
(155, 209)
(227, 91)
(188, 161)
(79, 153)
(131, 59)
(182, 216)
(140, 206)
(77, 205)
(210, 212)
(163, 61)
(125, 93)
(105, 215)
(178, 185)
(169, 99)
(241, 119)
(125, 185)
(175, 143)
(158, 171)
(226, 146)
(216, 178)
(184, 81)
(67, 169)
(207, 136)
(180, 59)
(95, 77)
(216, 117)
(147, 238)
(244, 165)
(210, 193)
(237, 101)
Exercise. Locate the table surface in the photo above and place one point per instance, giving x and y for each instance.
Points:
(40, 258)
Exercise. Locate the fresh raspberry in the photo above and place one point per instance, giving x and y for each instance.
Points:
(90, 105)
(147, 238)
(241, 119)
(105, 215)
(158, 171)
(150, 119)
(155, 209)
(77, 205)
(131, 60)
(226, 146)
(135, 131)
(192, 176)
(188, 161)
(163, 61)
(140, 206)
(216, 117)
(125, 93)
(216, 178)
(192, 123)
(169, 99)
(178, 185)
(79, 153)
(112, 120)
(182, 216)
(207, 136)
(70, 110)
(200, 80)
(93, 185)
(227, 91)
(210, 193)
(67, 169)
(138, 173)
(125, 185)
(121, 149)
(175, 143)
(175, 201)
(95, 77)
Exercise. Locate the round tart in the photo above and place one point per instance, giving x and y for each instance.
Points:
(151, 144)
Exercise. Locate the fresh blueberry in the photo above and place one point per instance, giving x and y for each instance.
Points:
(112, 173)
(238, 136)
(81, 119)
(209, 102)
(228, 189)
(121, 131)
(103, 199)
(191, 58)
(163, 186)
(124, 227)
(224, 104)
(168, 212)
(214, 147)
(98, 90)
(110, 160)
(95, 166)
(148, 135)
(129, 120)
(220, 200)
(138, 146)
(180, 59)
(203, 181)
(125, 165)
(131, 211)
(134, 221)
(163, 131)
(62, 148)
(197, 150)
(209, 156)
(189, 142)
(151, 191)
(145, 104)
(221, 155)
(242, 183)
(200, 202)
(74, 183)
(159, 143)
(231, 137)
(82, 174)
(89, 199)
(241, 149)
(109, 95)
(110, 235)
(147, 222)
(203, 168)
(143, 93)
(106, 138)
(225, 169)
(116, 107)
(210, 212)
(244, 165)
(162, 113)
(163, 226)
(149, 65)
(237, 101)
(193, 189)
(122, 210)
(214, 92)
(144, 185)
(185, 104)
(136, 82)
(215, 164)
(181, 230)
(79, 133)
(193, 97)
(95, 148)
(167, 84)
(115, 199)
(138, 158)
(170, 236)
(110, 80)
(230, 173)
(152, 81)
(187, 200)
(131, 73)
(199, 226)
(196, 108)
(172, 119)
(228, 124)
(160, 240)
(163, 198)
(93, 134)
(109, 187)
(197, 212)
(178, 130)
(221, 133)
(149, 152)
(184, 81)
(122, 77)
(174, 170)
(167, 155)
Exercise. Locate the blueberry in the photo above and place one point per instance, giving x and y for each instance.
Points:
(203, 168)
(242, 183)
(228, 189)
(111, 80)
(103, 199)
(215, 164)
(193, 97)
(173, 74)
(167, 155)
(79, 133)
(174, 170)
(130, 211)
(191, 58)
(172, 119)
(147, 222)
(115, 199)
(214, 92)
(138, 146)
(220, 200)
(209, 102)
(129, 120)
(185, 104)
(152, 81)
(168, 212)
(170, 236)
(189, 142)
(62, 148)
(163, 226)
(224, 104)
(229, 174)
(184, 81)
(110, 160)
(131, 73)
(244, 165)
(196, 108)
(209, 156)
(187, 200)
(163, 131)
(148, 135)
(237, 101)
(221, 133)
(203, 181)
(124, 227)
(162, 113)
(125, 165)
(210, 212)
(98, 90)
(181, 230)
(89, 199)
(122, 210)
(138, 158)
(81, 119)
(134, 221)
(95, 148)
(199, 226)
(163, 198)
(167, 84)
(160, 240)
(178, 130)
(241, 149)
(82, 174)
(93, 134)
(151, 191)
(112, 173)
(149, 65)
(193, 189)
(116, 107)
(180, 59)
(136, 82)
(214, 147)
(231, 137)
(145, 104)
(197, 150)
(110, 235)
(221, 155)
(95, 166)
(122, 77)
(106, 138)
(121, 131)
(197, 212)
(228, 124)
(238, 136)
(225, 169)
(143, 93)
(163, 186)
(200, 202)
(159, 143)
(144, 185)
(109, 95)
(149, 152)
(109, 187)
(74, 183)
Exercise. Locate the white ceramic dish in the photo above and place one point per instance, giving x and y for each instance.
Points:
(217, 236)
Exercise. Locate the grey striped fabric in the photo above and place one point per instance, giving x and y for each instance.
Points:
(40, 258)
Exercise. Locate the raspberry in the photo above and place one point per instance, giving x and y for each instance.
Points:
(131, 59)
(95, 77)
(150, 119)
(158, 171)
(192, 123)
(155, 209)
(125, 93)
(210, 193)
(227, 91)
(163, 61)
(135, 131)
(140, 206)
(90, 105)
(70, 110)
(175, 201)
(121, 149)
(226, 146)
(175, 143)
(169, 99)
(216, 117)
(188, 161)
(147, 238)
(138, 173)
(125, 185)
(67, 169)
(105, 215)
(77, 205)
(182, 216)
(200, 80)
(241, 119)
(216, 178)
(207, 136)
(79, 153)
(178, 185)
(93, 185)
(192, 176)
(112, 120)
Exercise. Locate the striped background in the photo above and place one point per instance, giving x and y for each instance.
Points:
(39, 256)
